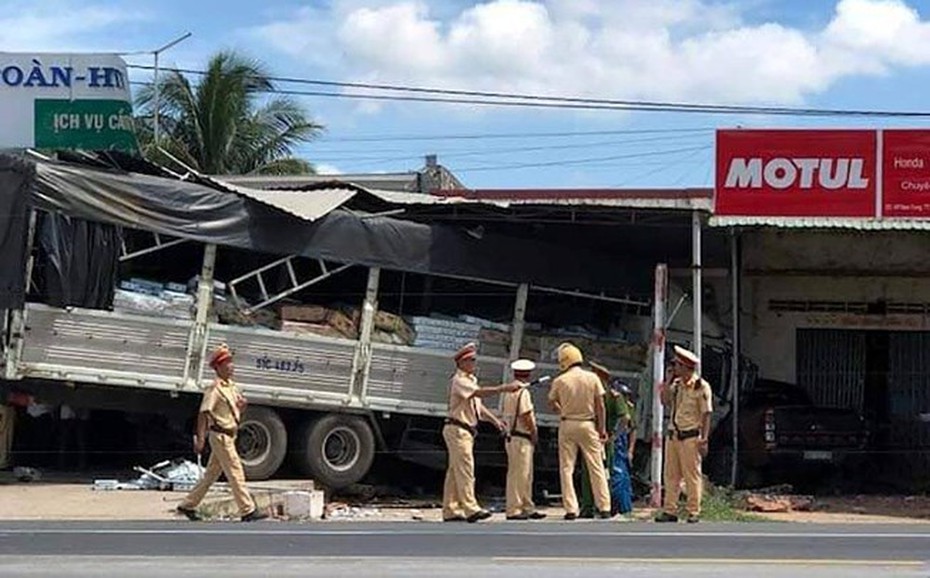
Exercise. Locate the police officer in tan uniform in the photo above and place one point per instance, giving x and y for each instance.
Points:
(220, 413)
(577, 395)
(465, 410)
(690, 401)
(522, 435)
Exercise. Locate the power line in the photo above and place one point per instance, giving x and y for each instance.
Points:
(568, 162)
(491, 98)
(514, 135)
(370, 156)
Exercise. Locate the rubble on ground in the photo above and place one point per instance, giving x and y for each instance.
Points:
(169, 475)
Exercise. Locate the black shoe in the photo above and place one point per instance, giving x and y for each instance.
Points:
(254, 516)
(570, 516)
(454, 519)
(666, 517)
(518, 517)
(604, 515)
(693, 519)
(586, 514)
(478, 516)
(537, 516)
(191, 513)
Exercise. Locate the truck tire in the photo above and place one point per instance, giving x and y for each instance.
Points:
(261, 443)
(335, 450)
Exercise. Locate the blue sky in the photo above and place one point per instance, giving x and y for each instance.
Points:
(871, 54)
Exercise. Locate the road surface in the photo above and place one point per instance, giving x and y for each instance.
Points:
(539, 550)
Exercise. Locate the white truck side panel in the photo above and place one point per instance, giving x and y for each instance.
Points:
(101, 347)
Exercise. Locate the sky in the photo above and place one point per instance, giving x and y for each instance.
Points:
(856, 54)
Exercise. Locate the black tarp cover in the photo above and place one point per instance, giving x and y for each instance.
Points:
(16, 178)
(79, 261)
(197, 212)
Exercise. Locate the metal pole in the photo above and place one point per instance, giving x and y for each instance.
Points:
(156, 98)
(157, 95)
(517, 328)
(734, 362)
(362, 361)
(197, 344)
(696, 280)
(658, 379)
(17, 324)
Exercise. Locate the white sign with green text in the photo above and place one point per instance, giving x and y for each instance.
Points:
(65, 101)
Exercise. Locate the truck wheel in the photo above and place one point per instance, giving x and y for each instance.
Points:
(262, 442)
(335, 450)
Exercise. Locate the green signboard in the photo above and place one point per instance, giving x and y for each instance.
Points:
(84, 124)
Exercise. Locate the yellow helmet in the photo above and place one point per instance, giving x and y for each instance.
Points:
(569, 355)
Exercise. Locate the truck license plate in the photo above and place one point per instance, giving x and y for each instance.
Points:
(818, 456)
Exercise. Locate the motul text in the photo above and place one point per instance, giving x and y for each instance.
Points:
(787, 173)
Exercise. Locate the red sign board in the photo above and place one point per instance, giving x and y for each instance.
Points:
(906, 173)
(796, 173)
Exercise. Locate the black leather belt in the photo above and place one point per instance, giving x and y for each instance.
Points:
(470, 429)
(520, 434)
(218, 429)
(578, 419)
(685, 435)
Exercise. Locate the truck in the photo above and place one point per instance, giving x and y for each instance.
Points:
(784, 436)
(329, 404)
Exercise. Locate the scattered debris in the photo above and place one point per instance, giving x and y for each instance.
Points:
(24, 474)
(177, 475)
(779, 503)
(342, 511)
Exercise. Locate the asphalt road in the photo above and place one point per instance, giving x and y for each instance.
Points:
(456, 550)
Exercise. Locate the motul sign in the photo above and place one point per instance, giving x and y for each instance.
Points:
(782, 173)
(796, 173)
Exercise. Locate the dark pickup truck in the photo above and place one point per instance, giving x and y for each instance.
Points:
(784, 436)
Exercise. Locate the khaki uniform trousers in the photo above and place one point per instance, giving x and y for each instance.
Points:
(582, 435)
(458, 494)
(223, 459)
(683, 462)
(519, 477)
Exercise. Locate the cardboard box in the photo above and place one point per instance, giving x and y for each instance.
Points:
(302, 328)
(493, 337)
(343, 323)
(305, 313)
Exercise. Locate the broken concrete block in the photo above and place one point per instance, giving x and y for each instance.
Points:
(303, 505)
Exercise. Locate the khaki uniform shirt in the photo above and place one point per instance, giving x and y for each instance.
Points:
(691, 400)
(463, 405)
(576, 391)
(219, 401)
(516, 404)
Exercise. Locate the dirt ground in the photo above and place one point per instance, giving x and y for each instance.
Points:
(71, 501)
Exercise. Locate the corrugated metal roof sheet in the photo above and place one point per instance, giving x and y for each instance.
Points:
(662, 199)
(823, 223)
(307, 205)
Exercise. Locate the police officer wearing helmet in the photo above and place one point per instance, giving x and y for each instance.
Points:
(690, 401)
(577, 395)
(459, 503)
(522, 435)
(218, 421)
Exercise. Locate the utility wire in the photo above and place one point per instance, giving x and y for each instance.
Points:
(491, 98)
(371, 155)
(568, 162)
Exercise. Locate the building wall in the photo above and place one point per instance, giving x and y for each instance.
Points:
(822, 271)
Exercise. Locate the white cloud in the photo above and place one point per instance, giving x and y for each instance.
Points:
(662, 49)
(60, 25)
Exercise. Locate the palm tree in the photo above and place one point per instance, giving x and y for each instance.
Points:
(226, 123)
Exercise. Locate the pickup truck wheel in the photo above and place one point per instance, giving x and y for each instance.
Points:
(336, 450)
(261, 443)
